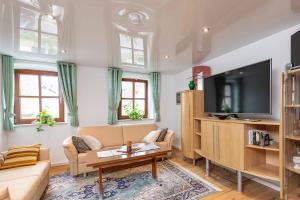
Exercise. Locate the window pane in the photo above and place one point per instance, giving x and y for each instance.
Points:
(227, 90)
(50, 86)
(28, 41)
(139, 90)
(29, 19)
(139, 57)
(51, 105)
(125, 41)
(126, 56)
(140, 104)
(29, 85)
(29, 108)
(49, 44)
(138, 43)
(48, 25)
(127, 89)
(126, 103)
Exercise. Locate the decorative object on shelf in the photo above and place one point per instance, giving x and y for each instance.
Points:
(178, 97)
(134, 113)
(258, 137)
(43, 118)
(198, 75)
(192, 85)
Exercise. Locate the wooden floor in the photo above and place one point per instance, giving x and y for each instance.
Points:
(220, 177)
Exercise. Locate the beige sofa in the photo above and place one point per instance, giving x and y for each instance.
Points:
(28, 182)
(111, 137)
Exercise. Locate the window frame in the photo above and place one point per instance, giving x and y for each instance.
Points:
(21, 6)
(17, 105)
(132, 49)
(122, 117)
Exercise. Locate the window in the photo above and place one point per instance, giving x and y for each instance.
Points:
(38, 33)
(227, 98)
(135, 95)
(132, 50)
(36, 91)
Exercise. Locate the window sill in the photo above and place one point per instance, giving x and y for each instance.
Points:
(129, 121)
(29, 125)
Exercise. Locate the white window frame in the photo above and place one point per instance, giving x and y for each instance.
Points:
(19, 7)
(132, 36)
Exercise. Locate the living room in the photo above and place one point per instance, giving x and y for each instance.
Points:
(110, 74)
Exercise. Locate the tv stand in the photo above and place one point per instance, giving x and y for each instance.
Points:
(226, 116)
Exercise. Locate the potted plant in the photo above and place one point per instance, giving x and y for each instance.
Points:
(134, 113)
(43, 118)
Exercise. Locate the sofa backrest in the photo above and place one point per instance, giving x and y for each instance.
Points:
(108, 135)
(137, 132)
(117, 135)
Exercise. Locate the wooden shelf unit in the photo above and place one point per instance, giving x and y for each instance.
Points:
(267, 171)
(291, 135)
(197, 135)
(267, 148)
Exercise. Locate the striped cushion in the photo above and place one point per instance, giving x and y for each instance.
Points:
(2, 158)
(18, 162)
(21, 156)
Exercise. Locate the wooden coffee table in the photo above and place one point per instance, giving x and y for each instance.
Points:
(128, 160)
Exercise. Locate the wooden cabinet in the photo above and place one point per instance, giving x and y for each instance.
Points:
(191, 107)
(229, 139)
(223, 143)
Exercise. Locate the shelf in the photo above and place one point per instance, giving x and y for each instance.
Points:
(274, 147)
(292, 106)
(198, 151)
(197, 133)
(266, 171)
(293, 194)
(294, 71)
(292, 137)
(197, 118)
(290, 167)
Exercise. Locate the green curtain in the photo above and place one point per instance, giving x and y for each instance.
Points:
(8, 91)
(155, 84)
(114, 93)
(67, 75)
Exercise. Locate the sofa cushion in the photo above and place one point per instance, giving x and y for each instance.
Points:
(151, 137)
(80, 144)
(107, 135)
(22, 188)
(162, 135)
(41, 169)
(136, 133)
(4, 194)
(92, 142)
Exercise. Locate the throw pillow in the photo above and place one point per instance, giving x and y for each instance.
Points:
(92, 142)
(4, 193)
(22, 151)
(19, 162)
(80, 144)
(151, 137)
(162, 135)
(2, 158)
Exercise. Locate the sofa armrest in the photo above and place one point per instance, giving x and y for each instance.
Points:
(170, 138)
(72, 155)
(44, 154)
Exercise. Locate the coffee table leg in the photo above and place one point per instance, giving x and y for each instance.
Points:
(154, 168)
(100, 181)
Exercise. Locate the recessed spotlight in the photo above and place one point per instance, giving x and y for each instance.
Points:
(205, 29)
(166, 57)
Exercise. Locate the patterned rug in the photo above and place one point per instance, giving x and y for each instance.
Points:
(174, 182)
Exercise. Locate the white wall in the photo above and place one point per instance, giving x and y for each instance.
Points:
(92, 104)
(92, 110)
(276, 46)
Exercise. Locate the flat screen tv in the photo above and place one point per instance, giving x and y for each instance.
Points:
(246, 90)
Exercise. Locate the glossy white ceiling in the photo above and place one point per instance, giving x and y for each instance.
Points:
(178, 26)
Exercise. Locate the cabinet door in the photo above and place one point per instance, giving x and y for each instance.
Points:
(229, 144)
(187, 124)
(207, 139)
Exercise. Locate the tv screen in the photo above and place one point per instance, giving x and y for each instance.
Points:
(243, 90)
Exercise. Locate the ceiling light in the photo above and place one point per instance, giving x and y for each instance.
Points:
(205, 29)
(166, 57)
(63, 51)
